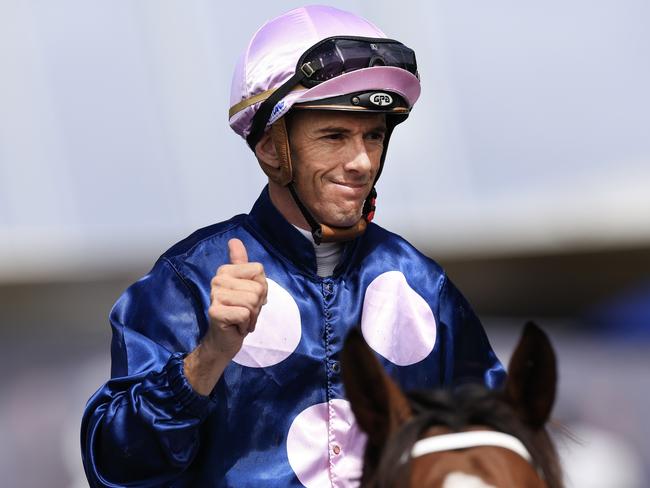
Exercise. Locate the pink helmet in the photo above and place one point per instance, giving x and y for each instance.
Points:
(276, 54)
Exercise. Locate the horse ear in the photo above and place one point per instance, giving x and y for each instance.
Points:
(532, 377)
(378, 404)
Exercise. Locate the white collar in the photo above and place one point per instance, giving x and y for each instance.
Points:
(328, 254)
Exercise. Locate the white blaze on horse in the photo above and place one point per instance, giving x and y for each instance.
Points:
(470, 436)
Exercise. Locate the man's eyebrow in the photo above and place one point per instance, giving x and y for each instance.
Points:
(345, 130)
(333, 128)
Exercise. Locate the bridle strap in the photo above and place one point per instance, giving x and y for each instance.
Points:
(464, 440)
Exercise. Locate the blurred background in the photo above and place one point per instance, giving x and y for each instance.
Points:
(524, 169)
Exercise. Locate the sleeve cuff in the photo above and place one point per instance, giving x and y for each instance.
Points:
(189, 400)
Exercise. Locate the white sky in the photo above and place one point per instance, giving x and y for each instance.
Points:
(532, 132)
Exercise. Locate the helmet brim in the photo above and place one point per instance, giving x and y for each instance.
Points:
(380, 78)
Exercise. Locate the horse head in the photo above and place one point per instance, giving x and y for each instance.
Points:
(465, 436)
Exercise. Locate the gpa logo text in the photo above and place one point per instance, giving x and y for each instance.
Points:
(381, 99)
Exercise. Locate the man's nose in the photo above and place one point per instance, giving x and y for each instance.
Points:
(359, 159)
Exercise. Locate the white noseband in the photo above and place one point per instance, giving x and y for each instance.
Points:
(464, 440)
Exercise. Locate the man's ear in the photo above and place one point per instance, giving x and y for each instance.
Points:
(273, 153)
(266, 152)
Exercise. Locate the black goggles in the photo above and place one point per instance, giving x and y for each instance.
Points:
(330, 58)
(335, 56)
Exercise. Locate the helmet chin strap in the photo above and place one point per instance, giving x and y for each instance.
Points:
(283, 176)
(326, 233)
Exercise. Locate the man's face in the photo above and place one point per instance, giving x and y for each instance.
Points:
(335, 158)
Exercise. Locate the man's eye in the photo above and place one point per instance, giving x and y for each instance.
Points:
(376, 136)
(335, 136)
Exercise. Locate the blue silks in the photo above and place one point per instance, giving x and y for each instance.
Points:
(278, 417)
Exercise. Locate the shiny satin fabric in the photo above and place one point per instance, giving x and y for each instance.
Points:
(278, 416)
(272, 54)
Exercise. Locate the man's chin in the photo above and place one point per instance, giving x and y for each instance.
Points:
(343, 221)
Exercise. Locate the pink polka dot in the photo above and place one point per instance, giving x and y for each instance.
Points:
(277, 332)
(325, 446)
(397, 322)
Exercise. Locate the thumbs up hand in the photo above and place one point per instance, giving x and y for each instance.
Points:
(238, 292)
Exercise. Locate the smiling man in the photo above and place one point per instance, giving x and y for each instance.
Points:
(336, 157)
(232, 378)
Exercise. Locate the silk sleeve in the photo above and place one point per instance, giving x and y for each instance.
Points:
(468, 354)
(141, 428)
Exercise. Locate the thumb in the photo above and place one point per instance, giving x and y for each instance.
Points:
(237, 252)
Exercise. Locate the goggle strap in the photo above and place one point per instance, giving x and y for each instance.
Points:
(310, 67)
(263, 114)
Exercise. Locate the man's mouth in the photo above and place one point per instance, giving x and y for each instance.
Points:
(352, 184)
(352, 189)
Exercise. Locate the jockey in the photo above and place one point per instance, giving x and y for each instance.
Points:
(341, 63)
(233, 379)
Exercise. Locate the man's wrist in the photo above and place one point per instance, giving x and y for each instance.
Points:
(204, 366)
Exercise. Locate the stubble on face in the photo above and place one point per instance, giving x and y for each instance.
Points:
(335, 157)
